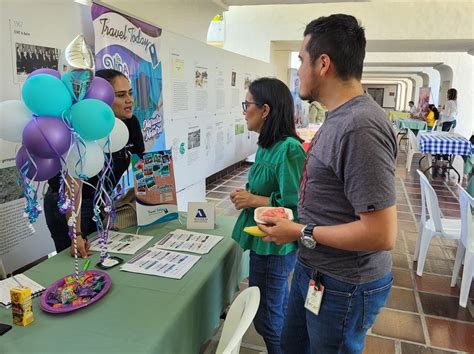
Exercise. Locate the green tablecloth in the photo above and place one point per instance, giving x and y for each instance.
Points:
(141, 313)
(393, 115)
(411, 124)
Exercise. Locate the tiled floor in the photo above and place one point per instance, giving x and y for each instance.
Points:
(422, 314)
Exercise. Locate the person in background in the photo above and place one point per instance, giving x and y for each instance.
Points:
(57, 223)
(347, 218)
(431, 116)
(273, 181)
(412, 109)
(450, 111)
(447, 121)
(317, 113)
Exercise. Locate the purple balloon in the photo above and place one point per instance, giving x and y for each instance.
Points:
(102, 90)
(46, 71)
(46, 137)
(47, 168)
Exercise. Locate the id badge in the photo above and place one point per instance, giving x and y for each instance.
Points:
(314, 297)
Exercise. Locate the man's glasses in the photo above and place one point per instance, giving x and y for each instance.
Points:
(246, 104)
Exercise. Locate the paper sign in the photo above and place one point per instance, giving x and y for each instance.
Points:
(200, 216)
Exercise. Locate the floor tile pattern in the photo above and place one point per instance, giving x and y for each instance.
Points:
(422, 314)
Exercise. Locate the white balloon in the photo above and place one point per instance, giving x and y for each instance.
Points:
(14, 116)
(92, 160)
(118, 137)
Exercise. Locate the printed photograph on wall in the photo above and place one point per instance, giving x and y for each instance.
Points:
(239, 128)
(31, 57)
(194, 139)
(201, 78)
(247, 83)
(9, 188)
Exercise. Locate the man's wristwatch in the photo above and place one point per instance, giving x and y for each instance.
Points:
(307, 236)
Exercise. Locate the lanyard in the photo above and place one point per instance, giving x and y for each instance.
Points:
(304, 174)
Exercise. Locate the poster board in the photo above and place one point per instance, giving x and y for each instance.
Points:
(155, 188)
(203, 90)
(424, 99)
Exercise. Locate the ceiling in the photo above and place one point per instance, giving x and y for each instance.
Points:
(273, 2)
(437, 45)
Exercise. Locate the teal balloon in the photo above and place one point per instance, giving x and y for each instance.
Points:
(92, 119)
(46, 95)
(77, 82)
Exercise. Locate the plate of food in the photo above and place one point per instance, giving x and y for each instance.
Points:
(72, 293)
(274, 212)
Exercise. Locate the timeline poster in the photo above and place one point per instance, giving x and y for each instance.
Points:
(132, 47)
(155, 187)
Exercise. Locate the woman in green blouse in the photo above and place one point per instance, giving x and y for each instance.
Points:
(273, 181)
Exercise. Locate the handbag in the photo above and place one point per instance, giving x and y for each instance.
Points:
(125, 210)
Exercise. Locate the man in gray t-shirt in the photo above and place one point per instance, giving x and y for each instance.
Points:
(351, 170)
(346, 211)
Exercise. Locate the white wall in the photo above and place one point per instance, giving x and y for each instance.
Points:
(188, 18)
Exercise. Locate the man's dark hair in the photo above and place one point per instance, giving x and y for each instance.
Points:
(280, 121)
(109, 74)
(342, 39)
(411, 102)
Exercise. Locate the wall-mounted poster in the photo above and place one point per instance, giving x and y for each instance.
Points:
(132, 46)
(28, 54)
(424, 99)
(300, 107)
(155, 187)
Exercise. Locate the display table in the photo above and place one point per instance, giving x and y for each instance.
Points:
(141, 313)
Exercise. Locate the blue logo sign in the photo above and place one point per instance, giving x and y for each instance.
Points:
(200, 214)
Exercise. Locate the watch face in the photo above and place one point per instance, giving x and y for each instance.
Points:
(308, 242)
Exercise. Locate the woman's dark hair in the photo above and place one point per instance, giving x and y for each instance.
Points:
(109, 74)
(341, 38)
(452, 94)
(280, 121)
(435, 111)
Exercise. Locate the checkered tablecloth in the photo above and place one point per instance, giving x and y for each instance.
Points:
(444, 143)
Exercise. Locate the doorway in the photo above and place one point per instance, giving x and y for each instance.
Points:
(377, 95)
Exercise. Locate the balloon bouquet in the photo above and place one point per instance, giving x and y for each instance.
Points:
(66, 126)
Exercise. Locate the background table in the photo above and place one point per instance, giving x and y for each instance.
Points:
(436, 142)
(414, 124)
(393, 115)
(444, 143)
(141, 313)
